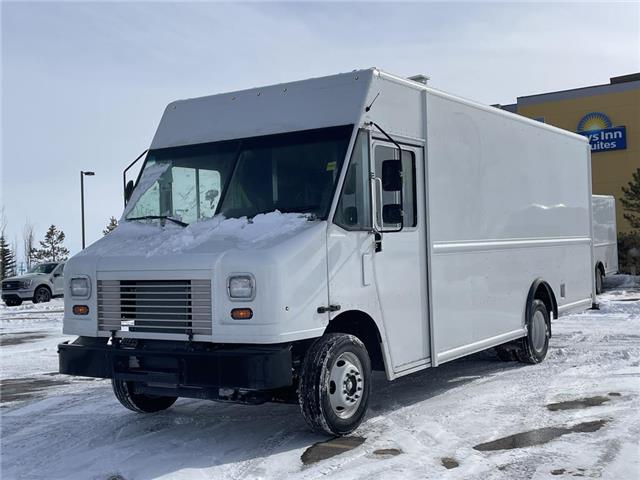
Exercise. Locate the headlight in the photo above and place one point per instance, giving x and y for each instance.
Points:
(80, 287)
(25, 283)
(241, 287)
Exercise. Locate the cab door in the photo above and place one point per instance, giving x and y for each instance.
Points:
(400, 258)
(57, 278)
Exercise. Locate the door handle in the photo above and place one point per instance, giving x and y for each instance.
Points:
(378, 190)
(330, 308)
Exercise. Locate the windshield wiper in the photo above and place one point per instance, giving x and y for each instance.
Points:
(159, 217)
(301, 209)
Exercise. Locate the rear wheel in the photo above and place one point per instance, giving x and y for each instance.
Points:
(139, 402)
(505, 354)
(42, 295)
(599, 280)
(335, 382)
(533, 348)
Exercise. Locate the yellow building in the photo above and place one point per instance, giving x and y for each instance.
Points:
(609, 115)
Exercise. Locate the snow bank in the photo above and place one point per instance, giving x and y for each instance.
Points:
(27, 305)
(150, 239)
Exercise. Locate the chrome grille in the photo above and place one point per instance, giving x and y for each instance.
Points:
(155, 306)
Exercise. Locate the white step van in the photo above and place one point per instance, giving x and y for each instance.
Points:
(282, 242)
(605, 238)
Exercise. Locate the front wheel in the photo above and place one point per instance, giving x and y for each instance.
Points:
(335, 382)
(13, 302)
(42, 295)
(139, 402)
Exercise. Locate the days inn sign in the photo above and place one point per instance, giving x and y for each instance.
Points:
(597, 127)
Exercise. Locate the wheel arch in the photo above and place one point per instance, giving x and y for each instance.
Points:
(45, 286)
(541, 290)
(361, 325)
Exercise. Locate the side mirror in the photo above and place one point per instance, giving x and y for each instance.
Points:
(128, 190)
(392, 213)
(351, 215)
(392, 175)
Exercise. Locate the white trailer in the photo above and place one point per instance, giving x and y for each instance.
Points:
(282, 242)
(605, 238)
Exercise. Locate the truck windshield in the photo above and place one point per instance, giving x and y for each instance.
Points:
(43, 268)
(290, 172)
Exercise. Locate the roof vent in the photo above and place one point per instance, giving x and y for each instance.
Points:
(423, 79)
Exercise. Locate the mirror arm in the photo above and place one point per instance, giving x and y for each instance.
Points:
(390, 139)
(124, 175)
(401, 173)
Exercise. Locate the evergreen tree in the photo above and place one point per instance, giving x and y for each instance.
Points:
(52, 248)
(113, 223)
(7, 259)
(631, 200)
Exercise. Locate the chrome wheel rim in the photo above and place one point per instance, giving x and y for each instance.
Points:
(538, 331)
(346, 385)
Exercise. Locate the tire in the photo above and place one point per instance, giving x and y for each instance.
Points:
(332, 360)
(599, 280)
(13, 302)
(533, 348)
(504, 354)
(42, 295)
(139, 402)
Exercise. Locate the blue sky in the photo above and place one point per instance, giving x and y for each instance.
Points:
(84, 84)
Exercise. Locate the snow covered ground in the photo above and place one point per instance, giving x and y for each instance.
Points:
(582, 402)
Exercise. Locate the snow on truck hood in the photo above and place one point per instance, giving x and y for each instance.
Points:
(132, 238)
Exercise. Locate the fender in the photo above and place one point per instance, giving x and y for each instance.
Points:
(542, 290)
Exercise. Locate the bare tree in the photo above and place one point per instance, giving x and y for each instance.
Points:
(3, 221)
(14, 249)
(28, 239)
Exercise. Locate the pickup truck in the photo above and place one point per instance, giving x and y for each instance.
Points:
(41, 283)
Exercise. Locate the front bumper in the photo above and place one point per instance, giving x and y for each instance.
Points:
(180, 365)
(22, 294)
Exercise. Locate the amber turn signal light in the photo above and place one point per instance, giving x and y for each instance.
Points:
(241, 313)
(80, 310)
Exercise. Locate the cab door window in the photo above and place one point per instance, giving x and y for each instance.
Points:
(386, 197)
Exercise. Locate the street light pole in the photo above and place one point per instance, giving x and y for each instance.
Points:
(82, 174)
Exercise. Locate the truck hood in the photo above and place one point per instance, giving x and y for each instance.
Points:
(26, 276)
(142, 246)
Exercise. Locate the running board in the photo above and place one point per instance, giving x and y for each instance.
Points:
(458, 352)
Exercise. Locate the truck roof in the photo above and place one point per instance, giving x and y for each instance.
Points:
(301, 105)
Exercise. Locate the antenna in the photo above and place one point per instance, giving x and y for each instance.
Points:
(371, 104)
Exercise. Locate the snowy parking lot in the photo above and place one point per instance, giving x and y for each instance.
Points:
(575, 415)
